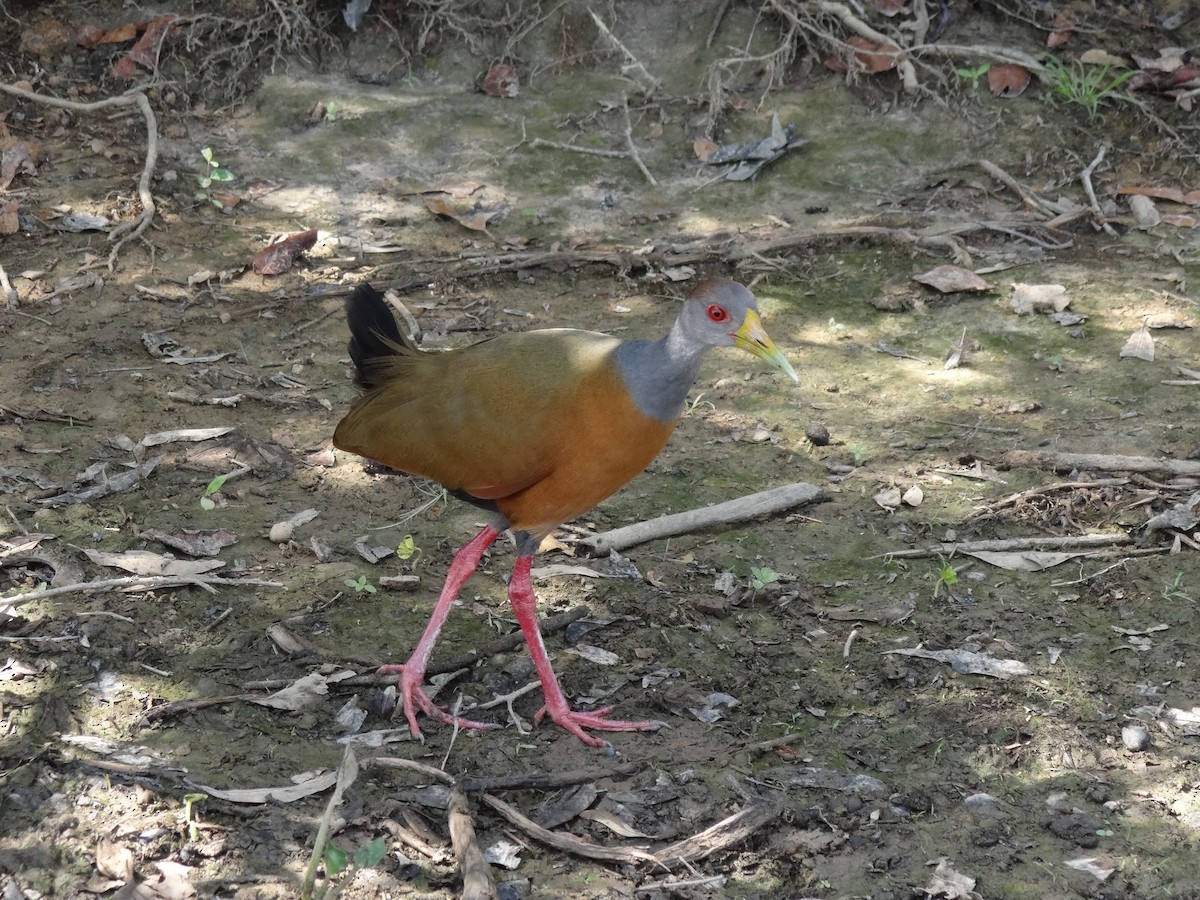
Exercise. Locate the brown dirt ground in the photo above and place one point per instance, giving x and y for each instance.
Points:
(873, 766)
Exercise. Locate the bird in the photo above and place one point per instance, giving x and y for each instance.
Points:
(535, 428)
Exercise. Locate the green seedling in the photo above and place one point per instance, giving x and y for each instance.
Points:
(946, 578)
(760, 577)
(206, 502)
(189, 814)
(1174, 590)
(337, 860)
(408, 548)
(360, 584)
(213, 172)
(973, 75)
(1090, 86)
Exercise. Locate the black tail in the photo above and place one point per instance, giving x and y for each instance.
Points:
(374, 334)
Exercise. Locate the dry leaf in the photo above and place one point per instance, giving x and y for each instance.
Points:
(18, 157)
(704, 148)
(1009, 80)
(1140, 345)
(114, 860)
(950, 279)
(501, 80)
(970, 662)
(10, 222)
(1022, 560)
(875, 58)
(1145, 213)
(278, 258)
(1062, 29)
(194, 542)
(1035, 298)
(313, 784)
(144, 562)
(1175, 195)
(474, 217)
(913, 496)
(888, 498)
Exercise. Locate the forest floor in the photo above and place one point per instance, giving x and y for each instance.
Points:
(862, 697)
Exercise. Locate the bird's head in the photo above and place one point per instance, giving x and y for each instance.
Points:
(722, 313)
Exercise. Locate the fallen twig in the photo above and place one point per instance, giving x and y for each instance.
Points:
(567, 842)
(726, 833)
(630, 147)
(137, 583)
(136, 97)
(739, 510)
(478, 883)
(1067, 542)
(1056, 461)
(1027, 197)
(1086, 178)
(1029, 493)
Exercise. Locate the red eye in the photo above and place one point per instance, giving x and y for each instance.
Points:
(718, 313)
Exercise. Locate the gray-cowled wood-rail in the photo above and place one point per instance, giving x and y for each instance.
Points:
(535, 427)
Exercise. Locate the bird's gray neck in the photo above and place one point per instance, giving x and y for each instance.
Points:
(658, 374)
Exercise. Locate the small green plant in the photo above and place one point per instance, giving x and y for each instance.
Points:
(973, 75)
(206, 501)
(189, 814)
(946, 578)
(213, 172)
(337, 861)
(408, 548)
(360, 585)
(1174, 590)
(760, 577)
(1090, 86)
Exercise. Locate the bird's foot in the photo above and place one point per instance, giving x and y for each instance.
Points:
(413, 696)
(575, 722)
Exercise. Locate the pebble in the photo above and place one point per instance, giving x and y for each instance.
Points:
(1135, 737)
(281, 532)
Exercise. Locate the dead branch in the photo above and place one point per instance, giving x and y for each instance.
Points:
(649, 84)
(1030, 493)
(722, 247)
(1076, 542)
(566, 842)
(739, 510)
(414, 841)
(135, 97)
(1058, 462)
(1027, 197)
(631, 147)
(135, 583)
(725, 833)
(1086, 178)
(478, 883)
(851, 22)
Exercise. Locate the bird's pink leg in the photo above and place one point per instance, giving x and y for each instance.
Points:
(412, 673)
(524, 604)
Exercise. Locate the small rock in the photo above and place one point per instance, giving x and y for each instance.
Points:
(1078, 828)
(281, 532)
(1135, 737)
(817, 433)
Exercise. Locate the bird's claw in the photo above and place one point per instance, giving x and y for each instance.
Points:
(574, 722)
(413, 696)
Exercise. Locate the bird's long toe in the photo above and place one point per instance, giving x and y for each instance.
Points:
(574, 722)
(413, 697)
